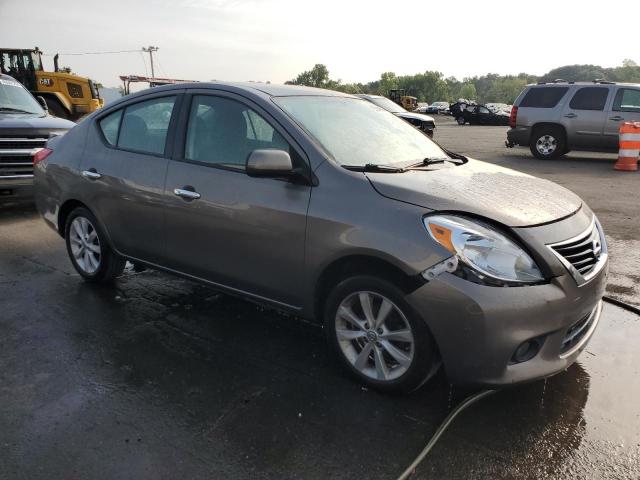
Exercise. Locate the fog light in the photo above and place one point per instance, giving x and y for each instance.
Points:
(527, 350)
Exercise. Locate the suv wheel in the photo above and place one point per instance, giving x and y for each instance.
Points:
(377, 336)
(548, 143)
(89, 250)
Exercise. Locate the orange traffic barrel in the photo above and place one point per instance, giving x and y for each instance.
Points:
(629, 147)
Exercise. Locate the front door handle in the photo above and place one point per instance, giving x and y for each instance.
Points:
(91, 174)
(617, 118)
(571, 115)
(187, 192)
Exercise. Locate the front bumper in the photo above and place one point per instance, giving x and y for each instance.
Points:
(18, 187)
(479, 328)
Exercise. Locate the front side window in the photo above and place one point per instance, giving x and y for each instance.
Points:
(356, 132)
(590, 98)
(627, 100)
(110, 125)
(225, 132)
(145, 125)
(543, 97)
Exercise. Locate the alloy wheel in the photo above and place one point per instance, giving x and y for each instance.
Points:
(374, 336)
(546, 145)
(85, 245)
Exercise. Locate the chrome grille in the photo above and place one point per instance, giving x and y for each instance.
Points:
(16, 157)
(21, 143)
(583, 255)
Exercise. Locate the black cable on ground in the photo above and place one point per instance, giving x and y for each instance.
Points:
(621, 304)
(478, 396)
(443, 426)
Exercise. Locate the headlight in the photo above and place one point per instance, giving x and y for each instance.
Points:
(484, 250)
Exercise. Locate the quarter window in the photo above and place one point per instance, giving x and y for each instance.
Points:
(627, 100)
(145, 125)
(543, 97)
(590, 98)
(224, 132)
(110, 125)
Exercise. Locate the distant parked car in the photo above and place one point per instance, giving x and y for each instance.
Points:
(25, 127)
(418, 120)
(481, 115)
(555, 118)
(422, 108)
(438, 107)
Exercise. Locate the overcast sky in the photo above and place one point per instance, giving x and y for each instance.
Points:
(240, 40)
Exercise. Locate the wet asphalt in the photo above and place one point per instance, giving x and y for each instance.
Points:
(158, 377)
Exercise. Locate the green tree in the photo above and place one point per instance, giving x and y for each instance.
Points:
(318, 77)
(468, 91)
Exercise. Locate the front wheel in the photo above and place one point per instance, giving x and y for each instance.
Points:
(377, 336)
(460, 120)
(88, 249)
(548, 143)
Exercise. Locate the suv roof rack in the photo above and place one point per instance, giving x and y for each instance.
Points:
(603, 81)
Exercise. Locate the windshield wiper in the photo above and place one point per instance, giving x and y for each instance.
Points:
(17, 110)
(430, 161)
(372, 167)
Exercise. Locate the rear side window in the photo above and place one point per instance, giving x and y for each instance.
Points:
(145, 125)
(627, 100)
(543, 97)
(590, 98)
(110, 125)
(224, 132)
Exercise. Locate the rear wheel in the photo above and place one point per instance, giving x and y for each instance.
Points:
(88, 249)
(460, 120)
(548, 143)
(377, 336)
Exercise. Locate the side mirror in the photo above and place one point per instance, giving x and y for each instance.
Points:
(43, 103)
(269, 163)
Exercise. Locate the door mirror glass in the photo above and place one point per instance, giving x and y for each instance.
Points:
(42, 103)
(269, 163)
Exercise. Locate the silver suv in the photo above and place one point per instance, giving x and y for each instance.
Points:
(555, 118)
(330, 208)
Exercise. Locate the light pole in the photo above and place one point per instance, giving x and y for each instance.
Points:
(151, 49)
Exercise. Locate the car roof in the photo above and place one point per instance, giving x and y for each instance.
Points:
(582, 84)
(269, 89)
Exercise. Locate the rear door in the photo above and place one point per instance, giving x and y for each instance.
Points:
(241, 232)
(125, 181)
(625, 107)
(584, 116)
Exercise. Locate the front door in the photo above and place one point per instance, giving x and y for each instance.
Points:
(584, 117)
(241, 232)
(624, 108)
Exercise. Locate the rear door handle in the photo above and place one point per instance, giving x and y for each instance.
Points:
(571, 115)
(187, 192)
(617, 118)
(91, 174)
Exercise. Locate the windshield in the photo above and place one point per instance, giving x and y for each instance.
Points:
(387, 104)
(14, 96)
(356, 132)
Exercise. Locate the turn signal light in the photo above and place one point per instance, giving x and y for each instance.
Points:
(41, 155)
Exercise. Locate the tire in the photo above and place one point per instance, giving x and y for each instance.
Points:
(56, 109)
(460, 120)
(83, 236)
(548, 143)
(382, 357)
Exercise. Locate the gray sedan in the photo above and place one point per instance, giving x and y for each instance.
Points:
(331, 208)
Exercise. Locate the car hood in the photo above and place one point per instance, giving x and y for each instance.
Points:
(512, 198)
(415, 116)
(21, 121)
